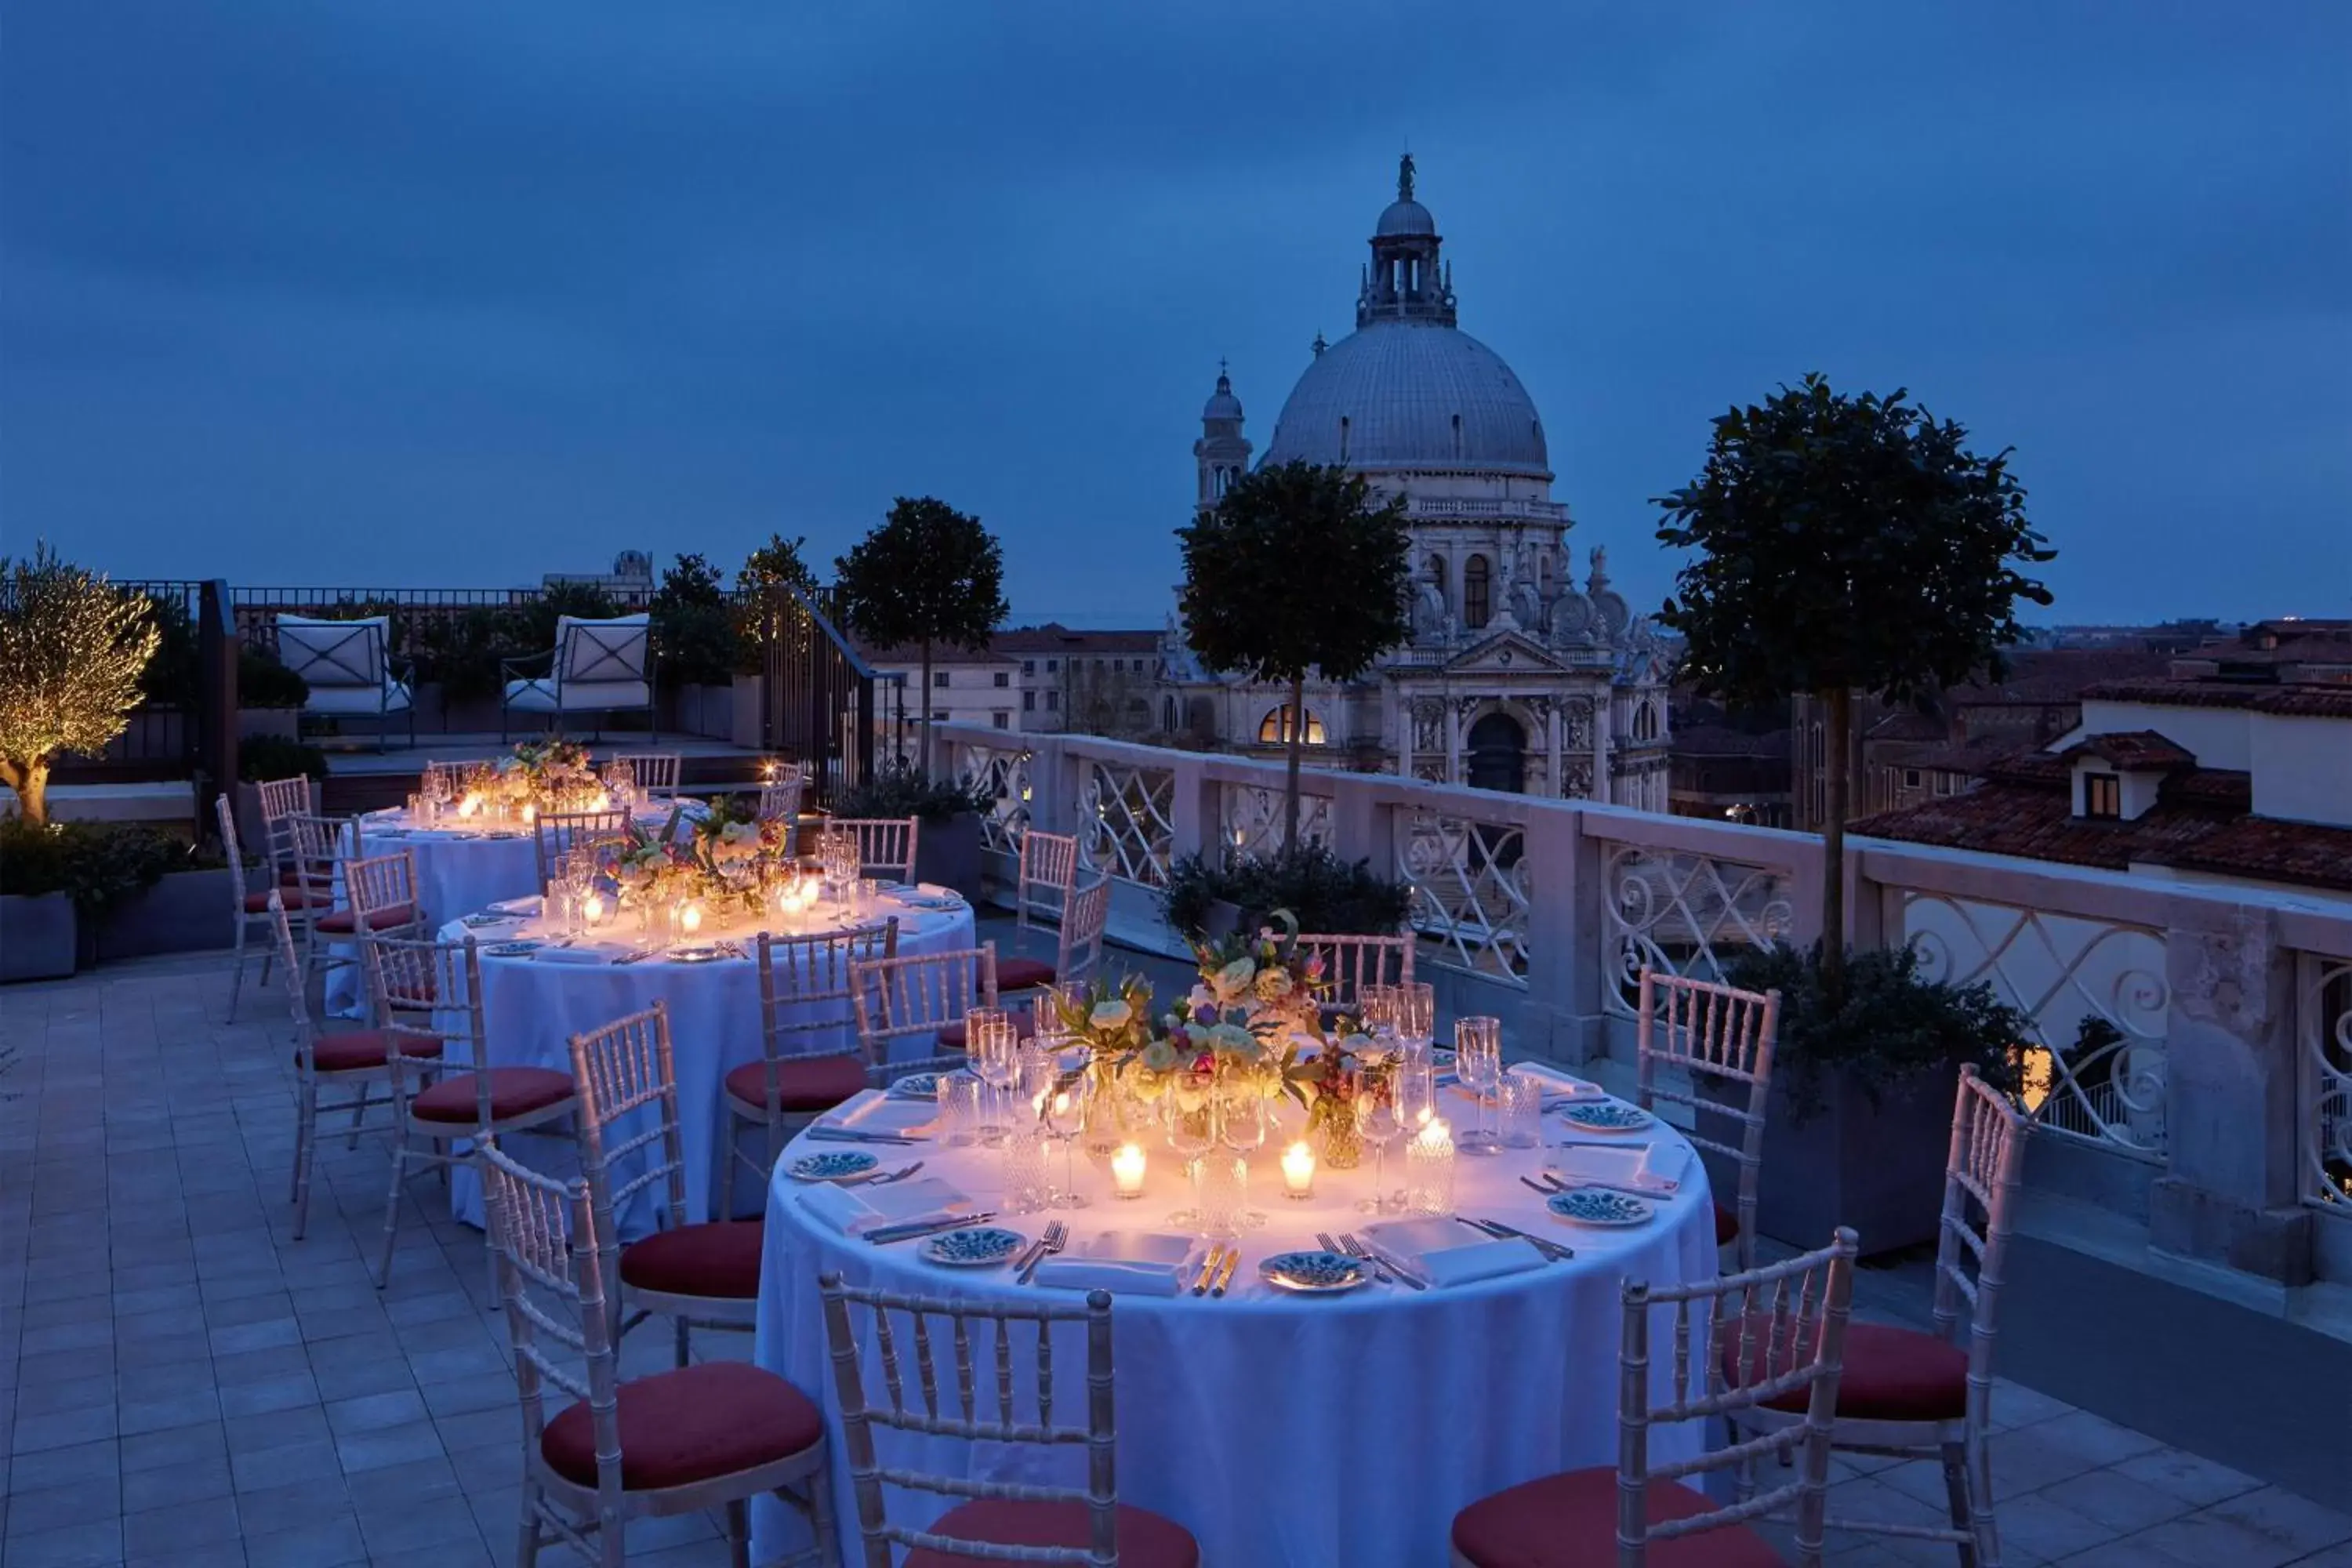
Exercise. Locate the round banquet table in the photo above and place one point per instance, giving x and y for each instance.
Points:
(1277, 1428)
(532, 1005)
(459, 870)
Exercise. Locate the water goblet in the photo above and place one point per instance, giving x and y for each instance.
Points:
(1478, 1062)
(1242, 1127)
(1191, 1136)
(993, 1051)
(1379, 1123)
(1376, 1010)
(1413, 1014)
(1066, 1111)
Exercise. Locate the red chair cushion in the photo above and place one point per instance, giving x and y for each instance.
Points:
(719, 1259)
(1024, 1028)
(687, 1425)
(357, 1049)
(292, 898)
(1571, 1522)
(1726, 1226)
(344, 922)
(1023, 973)
(802, 1083)
(1146, 1540)
(291, 876)
(1890, 1374)
(514, 1092)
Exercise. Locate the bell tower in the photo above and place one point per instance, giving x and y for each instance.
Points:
(1223, 452)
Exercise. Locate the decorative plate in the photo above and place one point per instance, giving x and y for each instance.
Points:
(694, 954)
(503, 833)
(974, 1246)
(835, 1165)
(513, 949)
(476, 923)
(1606, 1116)
(1314, 1273)
(1598, 1205)
(917, 1086)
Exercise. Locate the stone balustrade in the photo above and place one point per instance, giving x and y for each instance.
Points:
(2212, 1098)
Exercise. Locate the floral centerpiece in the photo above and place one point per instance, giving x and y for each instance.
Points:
(727, 861)
(551, 773)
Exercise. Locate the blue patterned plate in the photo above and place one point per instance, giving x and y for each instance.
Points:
(1598, 1205)
(1314, 1273)
(917, 1086)
(699, 954)
(1606, 1116)
(974, 1246)
(835, 1165)
(513, 949)
(476, 923)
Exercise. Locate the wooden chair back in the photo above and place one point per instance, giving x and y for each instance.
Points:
(1764, 1333)
(886, 845)
(807, 990)
(306, 1032)
(378, 883)
(1981, 1177)
(235, 853)
(315, 844)
(1002, 1393)
(779, 799)
(282, 800)
(1084, 927)
(918, 994)
(1350, 963)
(625, 1070)
(654, 773)
(557, 832)
(1691, 1031)
(424, 990)
(1048, 878)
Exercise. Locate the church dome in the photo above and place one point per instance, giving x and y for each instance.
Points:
(1406, 216)
(1406, 394)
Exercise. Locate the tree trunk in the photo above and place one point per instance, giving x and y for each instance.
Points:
(30, 780)
(923, 715)
(1297, 731)
(1841, 732)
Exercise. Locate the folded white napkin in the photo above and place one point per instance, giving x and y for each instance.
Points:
(1449, 1252)
(1629, 1167)
(585, 954)
(857, 1207)
(516, 906)
(1133, 1263)
(937, 891)
(1560, 1085)
(875, 1111)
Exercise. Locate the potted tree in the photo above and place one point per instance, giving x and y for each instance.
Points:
(1852, 544)
(928, 575)
(1295, 569)
(694, 630)
(72, 651)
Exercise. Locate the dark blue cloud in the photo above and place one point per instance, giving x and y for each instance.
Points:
(412, 293)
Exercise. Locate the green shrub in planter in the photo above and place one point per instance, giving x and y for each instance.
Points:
(263, 682)
(899, 788)
(275, 757)
(1327, 894)
(1889, 1030)
(100, 864)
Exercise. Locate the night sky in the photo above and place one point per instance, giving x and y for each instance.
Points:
(414, 294)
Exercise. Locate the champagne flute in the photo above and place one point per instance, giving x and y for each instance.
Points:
(1066, 1116)
(1414, 1014)
(1478, 1062)
(992, 1049)
(1376, 1010)
(1377, 1120)
(1191, 1135)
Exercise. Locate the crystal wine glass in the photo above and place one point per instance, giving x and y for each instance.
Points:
(1414, 1015)
(1242, 1127)
(1191, 1135)
(1377, 1120)
(1065, 1118)
(993, 1050)
(1376, 1010)
(1478, 1062)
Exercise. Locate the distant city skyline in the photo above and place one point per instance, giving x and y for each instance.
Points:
(440, 296)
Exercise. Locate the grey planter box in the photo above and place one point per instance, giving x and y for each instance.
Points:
(1878, 1168)
(261, 724)
(947, 853)
(745, 728)
(705, 710)
(186, 912)
(38, 937)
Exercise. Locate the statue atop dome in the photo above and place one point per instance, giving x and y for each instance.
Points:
(1404, 178)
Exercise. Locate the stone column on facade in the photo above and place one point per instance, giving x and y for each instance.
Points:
(1454, 714)
(1554, 760)
(2231, 1191)
(1604, 714)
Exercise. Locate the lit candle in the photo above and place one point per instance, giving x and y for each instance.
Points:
(471, 805)
(1127, 1170)
(1429, 1171)
(592, 908)
(1298, 1171)
(603, 800)
(1435, 1134)
(529, 814)
(689, 919)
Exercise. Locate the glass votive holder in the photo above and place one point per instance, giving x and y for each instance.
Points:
(1429, 1171)
(1127, 1166)
(416, 807)
(1298, 1172)
(1027, 1188)
(1219, 1195)
(960, 1109)
(867, 893)
(1520, 1106)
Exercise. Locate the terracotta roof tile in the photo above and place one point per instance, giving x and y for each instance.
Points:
(2134, 749)
(2308, 700)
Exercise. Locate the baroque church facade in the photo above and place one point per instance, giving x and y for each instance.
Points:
(1516, 677)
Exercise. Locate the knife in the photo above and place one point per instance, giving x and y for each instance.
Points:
(1225, 1275)
(1382, 1255)
(848, 1135)
(910, 1229)
(1551, 1249)
(1208, 1267)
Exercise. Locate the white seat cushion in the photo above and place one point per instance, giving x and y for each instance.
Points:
(393, 698)
(578, 696)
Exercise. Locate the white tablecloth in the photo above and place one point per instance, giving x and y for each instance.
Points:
(457, 874)
(1280, 1429)
(532, 1008)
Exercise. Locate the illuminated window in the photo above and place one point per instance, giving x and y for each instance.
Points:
(2103, 795)
(1477, 592)
(1274, 729)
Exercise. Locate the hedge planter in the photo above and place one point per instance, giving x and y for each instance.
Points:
(947, 853)
(745, 719)
(258, 723)
(38, 937)
(186, 912)
(1878, 1168)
